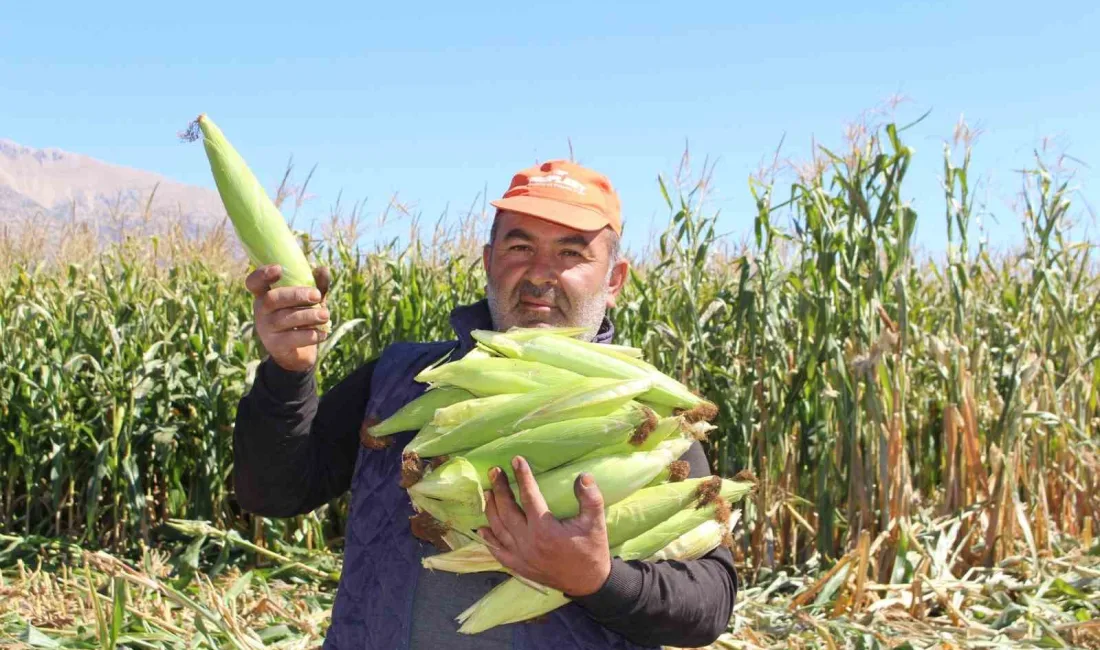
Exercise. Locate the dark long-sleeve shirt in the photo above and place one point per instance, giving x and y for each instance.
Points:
(294, 452)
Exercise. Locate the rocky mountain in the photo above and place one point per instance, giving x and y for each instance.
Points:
(38, 184)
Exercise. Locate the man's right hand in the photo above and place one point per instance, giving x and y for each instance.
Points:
(285, 317)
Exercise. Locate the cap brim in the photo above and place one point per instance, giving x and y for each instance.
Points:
(570, 216)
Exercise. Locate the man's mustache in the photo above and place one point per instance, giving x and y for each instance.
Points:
(546, 292)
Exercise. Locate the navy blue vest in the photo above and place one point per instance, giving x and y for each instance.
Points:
(374, 602)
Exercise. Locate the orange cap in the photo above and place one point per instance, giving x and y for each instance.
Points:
(565, 193)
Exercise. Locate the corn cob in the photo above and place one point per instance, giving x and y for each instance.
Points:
(259, 225)
(696, 543)
(588, 398)
(626, 519)
(716, 507)
(451, 416)
(452, 494)
(666, 428)
(563, 352)
(513, 601)
(419, 412)
(496, 375)
(618, 476)
(580, 403)
(521, 334)
(445, 492)
(552, 445)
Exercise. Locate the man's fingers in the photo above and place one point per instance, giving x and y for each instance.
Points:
(259, 281)
(323, 277)
(589, 497)
(496, 524)
(497, 549)
(529, 493)
(295, 339)
(288, 319)
(505, 501)
(288, 297)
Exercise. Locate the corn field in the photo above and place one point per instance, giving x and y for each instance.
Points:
(905, 417)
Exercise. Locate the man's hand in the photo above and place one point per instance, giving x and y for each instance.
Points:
(284, 317)
(569, 555)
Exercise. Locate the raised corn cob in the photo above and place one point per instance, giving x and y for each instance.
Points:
(259, 225)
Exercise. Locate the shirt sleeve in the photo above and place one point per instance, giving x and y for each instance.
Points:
(293, 452)
(684, 604)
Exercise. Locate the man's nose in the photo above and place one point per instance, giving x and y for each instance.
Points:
(542, 272)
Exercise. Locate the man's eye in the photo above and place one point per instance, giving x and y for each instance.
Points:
(570, 253)
(523, 248)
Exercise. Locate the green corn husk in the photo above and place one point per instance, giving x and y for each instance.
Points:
(513, 601)
(260, 227)
(650, 506)
(590, 397)
(480, 352)
(555, 444)
(669, 427)
(453, 495)
(451, 416)
(556, 351)
(668, 530)
(626, 519)
(580, 403)
(471, 558)
(427, 432)
(522, 334)
(617, 477)
(697, 542)
(497, 375)
(623, 350)
(419, 412)
(592, 361)
(678, 395)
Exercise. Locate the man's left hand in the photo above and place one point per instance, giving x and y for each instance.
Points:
(569, 555)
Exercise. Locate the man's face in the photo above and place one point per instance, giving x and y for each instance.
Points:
(543, 274)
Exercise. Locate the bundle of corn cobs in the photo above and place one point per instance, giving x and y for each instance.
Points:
(568, 407)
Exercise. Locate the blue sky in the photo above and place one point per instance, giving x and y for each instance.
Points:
(438, 101)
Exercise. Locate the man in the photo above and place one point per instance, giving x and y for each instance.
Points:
(552, 260)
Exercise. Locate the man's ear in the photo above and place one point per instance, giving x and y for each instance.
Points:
(486, 255)
(618, 280)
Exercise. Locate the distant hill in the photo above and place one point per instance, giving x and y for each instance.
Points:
(51, 183)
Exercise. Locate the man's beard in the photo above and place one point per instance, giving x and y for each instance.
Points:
(587, 312)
